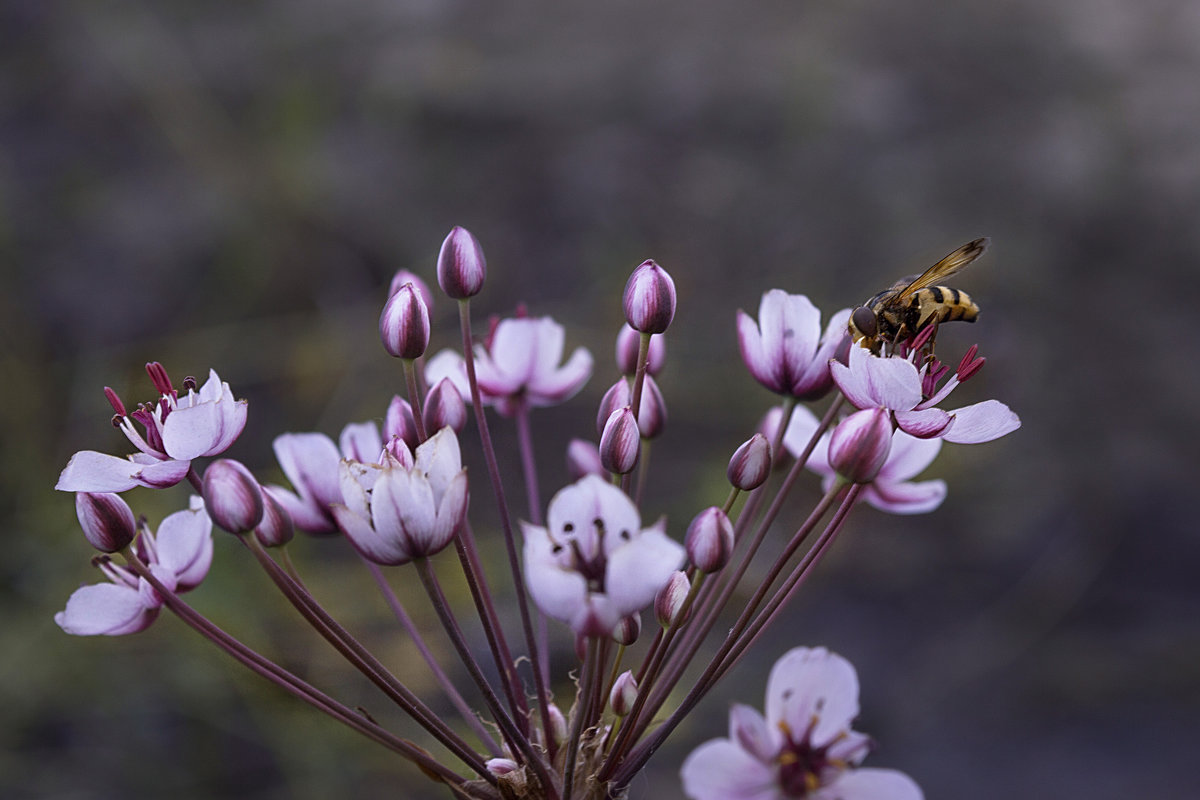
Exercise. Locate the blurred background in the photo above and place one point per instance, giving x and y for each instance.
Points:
(233, 184)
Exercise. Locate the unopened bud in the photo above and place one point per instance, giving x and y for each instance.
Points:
(444, 407)
(232, 496)
(860, 444)
(649, 299)
(404, 276)
(751, 463)
(628, 342)
(276, 528)
(668, 604)
(399, 423)
(709, 540)
(461, 267)
(404, 324)
(624, 694)
(628, 629)
(583, 458)
(106, 519)
(652, 409)
(558, 723)
(620, 443)
(501, 766)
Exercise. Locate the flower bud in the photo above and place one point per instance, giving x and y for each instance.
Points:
(652, 409)
(404, 276)
(709, 540)
(404, 324)
(620, 443)
(583, 458)
(668, 604)
(751, 463)
(628, 342)
(614, 399)
(276, 528)
(444, 407)
(399, 423)
(232, 496)
(106, 519)
(501, 766)
(628, 629)
(558, 724)
(624, 694)
(860, 444)
(461, 266)
(649, 299)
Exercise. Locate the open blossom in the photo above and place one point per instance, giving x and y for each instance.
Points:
(593, 563)
(179, 556)
(174, 430)
(785, 350)
(894, 383)
(408, 506)
(310, 462)
(892, 489)
(803, 747)
(522, 365)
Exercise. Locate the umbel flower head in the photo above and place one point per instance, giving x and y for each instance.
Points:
(175, 430)
(803, 748)
(593, 563)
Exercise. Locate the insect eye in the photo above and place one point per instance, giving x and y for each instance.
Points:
(864, 319)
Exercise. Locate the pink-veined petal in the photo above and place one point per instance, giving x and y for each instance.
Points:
(105, 609)
(161, 474)
(360, 441)
(639, 568)
(749, 729)
(89, 471)
(871, 784)
(190, 432)
(306, 515)
(808, 683)
(310, 462)
(402, 508)
(871, 381)
(981, 422)
(905, 498)
(720, 770)
(754, 353)
(559, 384)
(382, 550)
(909, 458)
(185, 546)
(924, 424)
(558, 592)
(440, 459)
(452, 510)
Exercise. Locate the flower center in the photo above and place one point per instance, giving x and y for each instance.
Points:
(801, 766)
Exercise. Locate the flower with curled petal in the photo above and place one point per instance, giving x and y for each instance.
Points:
(175, 429)
(310, 462)
(785, 350)
(803, 747)
(593, 564)
(179, 556)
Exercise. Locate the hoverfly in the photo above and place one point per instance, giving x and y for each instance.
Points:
(914, 303)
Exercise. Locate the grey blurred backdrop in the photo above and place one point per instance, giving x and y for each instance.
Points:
(233, 184)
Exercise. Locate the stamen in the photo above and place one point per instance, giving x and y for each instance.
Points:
(970, 364)
(189, 384)
(923, 337)
(115, 402)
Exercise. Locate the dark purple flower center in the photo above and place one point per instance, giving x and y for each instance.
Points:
(802, 766)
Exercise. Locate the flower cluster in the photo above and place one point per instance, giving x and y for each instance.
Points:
(399, 495)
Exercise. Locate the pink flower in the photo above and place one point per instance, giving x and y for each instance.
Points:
(894, 383)
(179, 557)
(407, 507)
(176, 429)
(310, 462)
(803, 748)
(522, 365)
(892, 489)
(593, 563)
(785, 350)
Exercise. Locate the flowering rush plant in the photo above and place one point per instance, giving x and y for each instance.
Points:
(592, 564)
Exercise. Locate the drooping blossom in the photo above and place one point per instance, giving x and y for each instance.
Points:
(310, 462)
(894, 383)
(785, 349)
(408, 506)
(593, 563)
(174, 430)
(803, 747)
(892, 489)
(179, 556)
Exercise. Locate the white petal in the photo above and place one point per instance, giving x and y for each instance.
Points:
(720, 770)
(89, 471)
(104, 609)
(358, 530)
(310, 461)
(906, 498)
(558, 592)
(515, 347)
(982, 422)
(639, 568)
(909, 457)
(812, 683)
(360, 441)
(749, 729)
(871, 784)
(754, 354)
(924, 424)
(559, 384)
(440, 459)
(190, 432)
(185, 546)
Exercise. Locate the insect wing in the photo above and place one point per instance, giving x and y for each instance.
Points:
(944, 268)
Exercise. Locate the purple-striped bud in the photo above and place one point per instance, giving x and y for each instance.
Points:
(501, 766)
(624, 694)
(709, 540)
(751, 463)
(558, 723)
(232, 496)
(106, 519)
(628, 341)
(444, 406)
(628, 630)
(620, 442)
(404, 324)
(399, 423)
(668, 604)
(649, 299)
(404, 276)
(276, 528)
(461, 267)
(860, 444)
(583, 458)
(652, 409)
